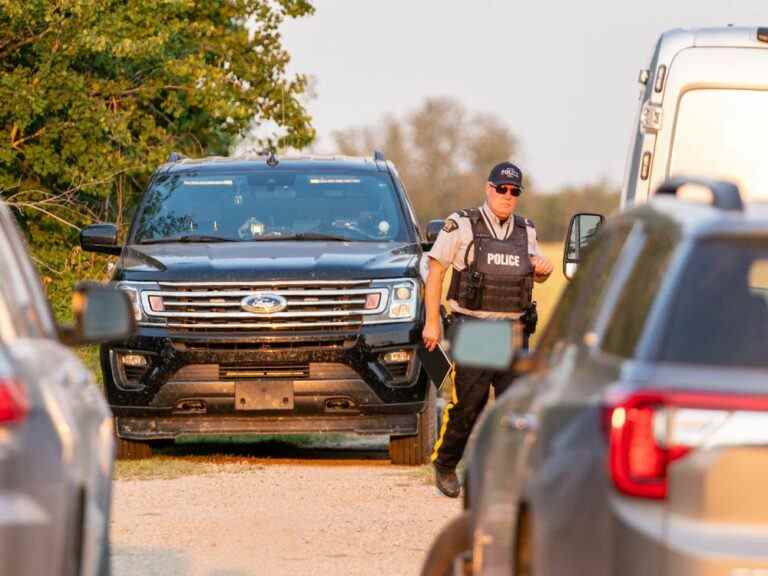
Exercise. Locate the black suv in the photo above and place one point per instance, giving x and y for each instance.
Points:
(272, 296)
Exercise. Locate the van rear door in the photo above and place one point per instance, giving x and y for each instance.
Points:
(715, 118)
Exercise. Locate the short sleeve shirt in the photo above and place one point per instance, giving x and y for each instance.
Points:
(452, 248)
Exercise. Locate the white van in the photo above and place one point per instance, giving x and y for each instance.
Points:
(703, 112)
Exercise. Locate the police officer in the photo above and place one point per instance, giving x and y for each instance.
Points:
(495, 259)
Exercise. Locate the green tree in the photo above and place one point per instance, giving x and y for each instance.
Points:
(95, 94)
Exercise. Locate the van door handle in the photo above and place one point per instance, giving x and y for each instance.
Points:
(520, 422)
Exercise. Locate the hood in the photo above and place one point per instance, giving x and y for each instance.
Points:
(286, 260)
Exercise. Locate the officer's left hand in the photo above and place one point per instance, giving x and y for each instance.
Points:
(542, 267)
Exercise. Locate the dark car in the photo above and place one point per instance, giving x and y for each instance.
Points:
(637, 442)
(56, 439)
(272, 296)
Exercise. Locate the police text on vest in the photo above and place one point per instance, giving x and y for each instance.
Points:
(503, 259)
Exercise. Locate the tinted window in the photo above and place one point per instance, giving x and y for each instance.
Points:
(578, 306)
(719, 313)
(639, 291)
(272, 205)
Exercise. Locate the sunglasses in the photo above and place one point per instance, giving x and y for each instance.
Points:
(507, 189)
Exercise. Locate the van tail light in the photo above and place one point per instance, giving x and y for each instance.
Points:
(13, 402)
(648, 430)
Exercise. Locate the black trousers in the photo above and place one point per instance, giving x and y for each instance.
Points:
(471, 388)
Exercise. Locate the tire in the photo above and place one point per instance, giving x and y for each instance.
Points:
(524, 544)
(132, 450)
(453, 542)
(105, 561)
(415, 450)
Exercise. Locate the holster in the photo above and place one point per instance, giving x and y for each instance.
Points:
(530, 318)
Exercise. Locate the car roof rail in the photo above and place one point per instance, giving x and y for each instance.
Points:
(378, 155)
(176, 156)
(725, 195)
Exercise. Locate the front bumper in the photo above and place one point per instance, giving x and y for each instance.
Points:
(339, 382)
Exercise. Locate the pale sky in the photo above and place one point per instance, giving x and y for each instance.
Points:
(561, 74)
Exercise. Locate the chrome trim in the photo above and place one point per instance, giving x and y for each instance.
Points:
(237, 304)
(271, 283)
(243, 293)
(383, 303)
(307, 308)
(230, 326)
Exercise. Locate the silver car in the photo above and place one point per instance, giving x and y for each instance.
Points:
(637, 441)
(56, 434)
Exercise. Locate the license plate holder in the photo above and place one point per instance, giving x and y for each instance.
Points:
(264, 395)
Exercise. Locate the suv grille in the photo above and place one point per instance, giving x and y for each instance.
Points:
(210, 307)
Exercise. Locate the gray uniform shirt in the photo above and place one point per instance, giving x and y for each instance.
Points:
(454, 240)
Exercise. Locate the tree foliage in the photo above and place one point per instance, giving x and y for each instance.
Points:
(442, 152)
(552, 212)
(95, 94)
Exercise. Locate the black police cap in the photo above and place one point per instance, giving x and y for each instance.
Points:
(506, 173)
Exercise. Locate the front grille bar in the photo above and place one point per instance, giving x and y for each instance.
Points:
(175, 303)
(270, 283)
(256, 325)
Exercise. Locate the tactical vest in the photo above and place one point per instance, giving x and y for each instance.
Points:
(500, 278)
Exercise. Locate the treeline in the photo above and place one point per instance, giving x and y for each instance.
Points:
(444, 154)
(552, 212)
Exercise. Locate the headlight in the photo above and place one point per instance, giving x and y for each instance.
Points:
(134, 290)
(402, 304)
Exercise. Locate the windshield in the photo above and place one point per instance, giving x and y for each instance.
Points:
(720, 134)
(719, 315)
(271, 205)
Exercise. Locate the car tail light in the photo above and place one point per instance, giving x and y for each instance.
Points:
(13, 402)
(649, 430)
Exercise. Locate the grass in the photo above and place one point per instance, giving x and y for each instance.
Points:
(237, 454)
(168, 467)
(548, 294)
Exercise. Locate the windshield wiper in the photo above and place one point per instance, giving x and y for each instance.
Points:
(202, 238)
(308, 236)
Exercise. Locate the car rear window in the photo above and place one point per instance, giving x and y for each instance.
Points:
(272, 205)
(719, 314)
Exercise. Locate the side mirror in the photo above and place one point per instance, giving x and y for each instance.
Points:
(100, 238)
(102, 314)
(433, 229)
(484, 344)
(581, 231)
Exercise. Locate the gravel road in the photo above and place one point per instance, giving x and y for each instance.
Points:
(323, 513)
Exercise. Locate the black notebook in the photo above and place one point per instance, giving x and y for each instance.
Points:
(436, 363)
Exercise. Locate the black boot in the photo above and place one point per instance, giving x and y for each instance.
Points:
(447, 482)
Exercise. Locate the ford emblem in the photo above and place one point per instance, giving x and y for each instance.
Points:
(264, 303)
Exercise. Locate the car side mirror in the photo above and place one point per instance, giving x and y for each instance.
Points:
(100, 238)
(581, 232)
(102, 314)
(484, 344)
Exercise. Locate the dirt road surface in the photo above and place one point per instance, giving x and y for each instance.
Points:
(274, 512)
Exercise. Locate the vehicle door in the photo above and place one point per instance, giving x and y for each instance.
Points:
(66, 455)
(521, 412)
(711, 375)
(713, 119)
